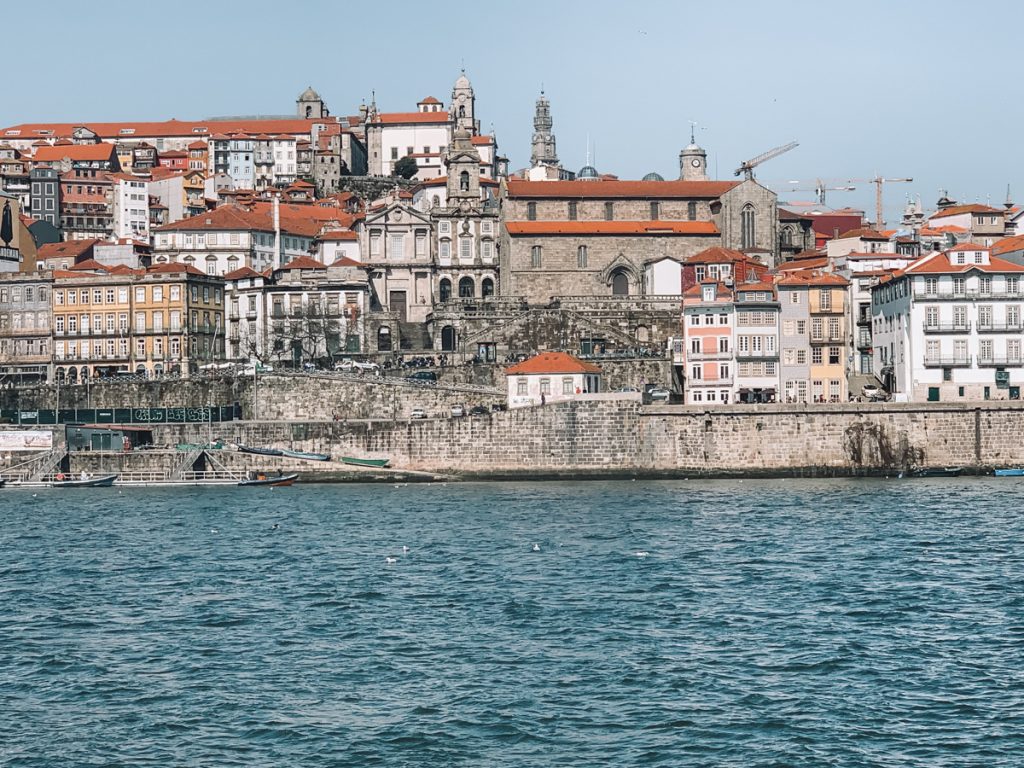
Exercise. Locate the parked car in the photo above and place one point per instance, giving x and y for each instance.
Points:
(478, 410)
(627, 389)
(872, 390)
(350, 365)
(417, 413)
(423, 376)
(499, 407)
(458, 411)
(659, 394)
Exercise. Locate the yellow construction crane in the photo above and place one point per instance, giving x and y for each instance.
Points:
(879, 182)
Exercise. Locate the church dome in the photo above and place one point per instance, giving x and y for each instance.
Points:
(309, 95)
(653, 176)
(587, 172)
(691, 147)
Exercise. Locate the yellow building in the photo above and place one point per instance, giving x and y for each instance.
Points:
(108, 320)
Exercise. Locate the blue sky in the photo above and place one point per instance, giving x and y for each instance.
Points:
(927, 90)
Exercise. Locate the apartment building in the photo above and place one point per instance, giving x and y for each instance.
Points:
(25, 337)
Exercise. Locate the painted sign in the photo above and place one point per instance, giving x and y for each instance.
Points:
(25, 440)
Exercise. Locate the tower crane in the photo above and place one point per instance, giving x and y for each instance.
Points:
(820, 189)
(879, 181)
(747, 168)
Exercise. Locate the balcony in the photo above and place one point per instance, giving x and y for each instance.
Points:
(1000, 327)
(697, 356)
(829, 338)
(947, 327)
(756, 356)
(720, 382)
(951, 361)
(999, 361)
(965, 295)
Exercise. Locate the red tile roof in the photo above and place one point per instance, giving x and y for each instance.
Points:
(956, 210)
(865, 234)
(172, 267)
(242, 273)
(716, 254)
(1007, 244)
(801, 264)
(80, 152)
(654, 228)
(552, 362)
(162, 129)
(950, 228)
(303, 262)
(482, 141)
(403, 118)
(69, 248)
(337, 235)
(430, 100)
(939, 263)
(345, 261)
(811, 277)
(619, 189)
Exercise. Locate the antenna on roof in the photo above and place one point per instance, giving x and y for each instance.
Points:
(588, 148)
(693, 127)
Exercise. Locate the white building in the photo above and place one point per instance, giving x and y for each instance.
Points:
(131, 206)
(949, 327)
(550, 377)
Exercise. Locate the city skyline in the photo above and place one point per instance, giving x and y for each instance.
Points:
(859, 100)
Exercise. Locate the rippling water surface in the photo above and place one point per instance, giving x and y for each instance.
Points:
(847, 622)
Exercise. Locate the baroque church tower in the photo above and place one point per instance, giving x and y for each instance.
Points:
(309, 105)
(463, 107)
(542, 150)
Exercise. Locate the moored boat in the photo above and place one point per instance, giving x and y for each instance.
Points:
(307, 455)
(102, 481)
(357, 462)
(937, 472)
(1012, 472)
(275, 481)
(260, 451)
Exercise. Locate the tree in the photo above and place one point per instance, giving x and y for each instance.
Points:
(406, 167)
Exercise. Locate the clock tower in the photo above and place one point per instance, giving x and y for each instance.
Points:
(693, 163)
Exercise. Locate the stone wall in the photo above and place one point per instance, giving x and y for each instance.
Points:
(606, 435)
(615, 373)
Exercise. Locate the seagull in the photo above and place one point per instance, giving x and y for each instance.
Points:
(390, 560)
(642, 553)
(273, 527)
(536, 547)
(214, 530)
(405, 549)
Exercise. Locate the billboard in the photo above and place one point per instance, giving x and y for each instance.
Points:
(25, 440)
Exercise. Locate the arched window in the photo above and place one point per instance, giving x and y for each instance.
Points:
(72, 375)
(447, 339)
(445, 289)
(487, 287)
(747, 233)
(59, 374)
(467, 289)
(435, 201)
(384, 339)
(462, 110)
(642, 333)
(581, 257)
(691, 211)
(787, 236)
(464, 181)
(85, 372)
(309, 111)
(620, 283)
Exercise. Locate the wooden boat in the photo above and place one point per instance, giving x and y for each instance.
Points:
(305, 455)
(356, 462)
(275, 481)
(937, 472)
(1013, 472)
(260, 451)
(102, 481)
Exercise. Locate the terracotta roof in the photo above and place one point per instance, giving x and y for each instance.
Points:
(865, 234)
(946, 228)
(1007, 244)
(619, 189)
(242, 273)
(857, 256)
(173, 267)
(801, 264)
(552, 362)
(402, 118)
(785, 215)
(611, 227)
(957, 210)
(969, 247)
(224, 217)
(697, 291)
(939, 263)
(303, 262)
(763, 285)
(345, 261)
(430, 100)
(81, 152)
(89, 265)
(162, 129)
(716, 254)
(811, 277)
(197, 145)
(338, 235)
(69, 248)
(482, 141)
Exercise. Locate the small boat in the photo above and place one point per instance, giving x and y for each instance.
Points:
(356, 462)
(260, 451)
(305, 455)
(1014, 472)
(275, 481)
(103, 481)
(937, 472)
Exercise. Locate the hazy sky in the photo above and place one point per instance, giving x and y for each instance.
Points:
(927, 90)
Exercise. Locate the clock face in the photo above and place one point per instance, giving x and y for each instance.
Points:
(695, 163)
(462, 97)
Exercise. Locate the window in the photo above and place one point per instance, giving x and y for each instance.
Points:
(825, 299)
(816, 356)
(581, 257)
(833, 355)
(465, 249)
(446, 250)
(1013, 285)
(487, 250)
(985, 349)
(531, 211)
(931, 317)
(747, 232)
(985, 285)
(699, 273)
(833, 328)
(572, 210)
(375, 243)
(467, 288)
(654, 210)
(609, 211)
(985, 316)
(545, 386)
(521, 387)
(691, 211)
(567, 387)
(397, 245)
(696, 372)
(535, 256)
(794, 297)
(421, 243)
(175, 293)
(394, 153)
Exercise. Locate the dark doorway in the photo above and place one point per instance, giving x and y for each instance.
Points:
(448, 339)
(620, 284)
(397, 301)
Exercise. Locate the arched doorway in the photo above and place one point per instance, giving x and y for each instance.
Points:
(59, 375)
(72, 375)
(620, 283)
(84, 373)
(487, 287)
(467, 289)
(384, 339)
(448, 339)
(445, 289)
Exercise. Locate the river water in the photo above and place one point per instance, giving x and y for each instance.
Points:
(770, 623)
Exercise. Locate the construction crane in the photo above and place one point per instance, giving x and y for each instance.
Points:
(819, 189)
(879, 182)
(747, 168)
